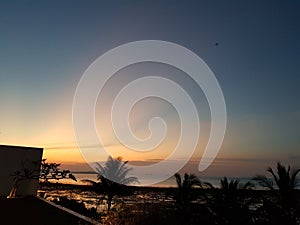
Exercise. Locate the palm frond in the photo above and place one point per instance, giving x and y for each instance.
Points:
(178, 180)
(115, 170)
(270, 170)
(247, 185)
(263, 181)
(130, 180)
(71, 176)
(294, 182)
(209, 185)
(224, 183)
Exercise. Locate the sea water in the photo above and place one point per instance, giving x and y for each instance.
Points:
(170, 182)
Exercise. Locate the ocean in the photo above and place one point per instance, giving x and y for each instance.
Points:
(171, 182)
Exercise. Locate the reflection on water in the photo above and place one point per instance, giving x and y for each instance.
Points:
(88, 198)
(94, 200)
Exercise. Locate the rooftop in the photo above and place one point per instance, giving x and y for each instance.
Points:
(35, 211)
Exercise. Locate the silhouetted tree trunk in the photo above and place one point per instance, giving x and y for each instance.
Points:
(109, 200)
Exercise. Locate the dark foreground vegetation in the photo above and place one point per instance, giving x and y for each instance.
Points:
(209, 206)
(193, 201)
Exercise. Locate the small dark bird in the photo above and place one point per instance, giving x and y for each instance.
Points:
(217, 43)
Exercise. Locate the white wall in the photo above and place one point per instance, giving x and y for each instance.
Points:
(11, 159)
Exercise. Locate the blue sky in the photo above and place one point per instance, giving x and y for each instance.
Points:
(45, 47)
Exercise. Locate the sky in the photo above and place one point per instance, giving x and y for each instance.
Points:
(46, 46)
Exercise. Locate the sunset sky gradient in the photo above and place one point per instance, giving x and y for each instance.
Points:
(45, 47)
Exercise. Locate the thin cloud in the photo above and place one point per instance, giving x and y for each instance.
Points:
(74, 146)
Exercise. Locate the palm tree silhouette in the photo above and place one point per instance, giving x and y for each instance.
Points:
(114, 176)
(286, 182)
(284, 200)
(234, 185)
(228, 201)
(184, 187)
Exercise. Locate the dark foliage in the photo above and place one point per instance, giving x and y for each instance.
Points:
(114, 178)
(185, 193)
(228, 201)
(283, 207)
(51, 171)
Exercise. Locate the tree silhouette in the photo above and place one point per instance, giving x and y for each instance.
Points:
(234, 185)
(285, 194)
(184, 187)
(38, 170)
(228, 204)
(51, 171)
(286, 182)
(114, 177)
